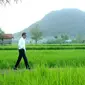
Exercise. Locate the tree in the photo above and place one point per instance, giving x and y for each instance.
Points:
(79, 38)
(36, 34)
(1, 35)
(8, 1)
(55, 37)
(64, 37)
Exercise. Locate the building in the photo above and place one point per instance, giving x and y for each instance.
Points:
(6, 39)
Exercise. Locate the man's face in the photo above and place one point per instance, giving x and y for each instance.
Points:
(24, 36)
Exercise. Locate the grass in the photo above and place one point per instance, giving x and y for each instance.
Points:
(45, 76)
(45, 46)
(49, 58)
(49, 67)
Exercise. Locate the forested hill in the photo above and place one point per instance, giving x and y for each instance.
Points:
(71, 21)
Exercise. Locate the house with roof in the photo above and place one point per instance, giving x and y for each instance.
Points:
(6, 39)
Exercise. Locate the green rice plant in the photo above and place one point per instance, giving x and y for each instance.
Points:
(44, 76)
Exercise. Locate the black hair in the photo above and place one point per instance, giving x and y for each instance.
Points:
(23, 33)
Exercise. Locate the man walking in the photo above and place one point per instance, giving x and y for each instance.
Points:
(22, 50)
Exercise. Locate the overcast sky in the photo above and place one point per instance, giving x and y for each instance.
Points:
(16, 17)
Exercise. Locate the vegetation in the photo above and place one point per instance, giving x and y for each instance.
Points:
(1, 36)
(36, 34)
(1, 32)
(44, 76)
(4, 2)
(68, 21)
(45, 47)
(48, 58)
(48, 67)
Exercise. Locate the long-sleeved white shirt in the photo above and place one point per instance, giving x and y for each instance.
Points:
(21, 43)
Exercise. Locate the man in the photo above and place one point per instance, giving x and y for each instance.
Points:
(22, 50)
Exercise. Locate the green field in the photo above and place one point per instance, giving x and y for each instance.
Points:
(49, 58)
(45, 46)
(48, 67)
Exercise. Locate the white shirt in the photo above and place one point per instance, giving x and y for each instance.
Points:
(21, 44)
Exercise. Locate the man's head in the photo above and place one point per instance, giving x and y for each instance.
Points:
(24, 35)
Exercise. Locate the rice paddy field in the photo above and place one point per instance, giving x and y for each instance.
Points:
(48, 66)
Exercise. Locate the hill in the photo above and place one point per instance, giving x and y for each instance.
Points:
(69, 21)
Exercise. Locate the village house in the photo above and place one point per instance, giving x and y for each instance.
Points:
(6, 39)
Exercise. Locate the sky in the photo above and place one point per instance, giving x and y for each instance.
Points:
(16, 17)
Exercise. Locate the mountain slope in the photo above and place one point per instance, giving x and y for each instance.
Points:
(70, 21)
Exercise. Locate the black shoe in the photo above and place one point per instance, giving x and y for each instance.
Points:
(15, 68)
(28, 68)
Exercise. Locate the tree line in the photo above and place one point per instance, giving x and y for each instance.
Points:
(37, 34)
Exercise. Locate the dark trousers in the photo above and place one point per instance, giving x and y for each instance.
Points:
(22, 55)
